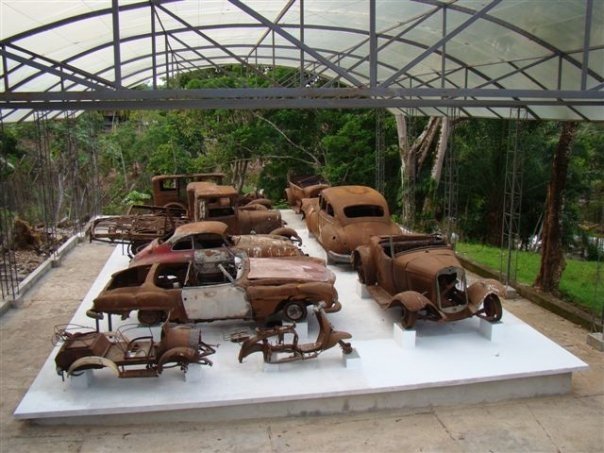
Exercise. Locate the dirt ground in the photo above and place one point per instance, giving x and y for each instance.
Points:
(568, 423)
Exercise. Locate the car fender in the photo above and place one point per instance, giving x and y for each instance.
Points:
(362, 262)
(90, 362)
(411, 300)
(478, 291)
(178, 354)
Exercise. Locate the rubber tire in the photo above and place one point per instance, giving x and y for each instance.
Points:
(151, 317)
(492, 308)
(294, 311)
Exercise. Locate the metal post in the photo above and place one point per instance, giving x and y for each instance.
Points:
(117, 61)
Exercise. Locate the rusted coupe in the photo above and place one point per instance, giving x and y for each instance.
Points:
(208, 201)
(211, 235)
(300, 187)
(345, 217)
(219, 284)
(138, 357)
(421, 275)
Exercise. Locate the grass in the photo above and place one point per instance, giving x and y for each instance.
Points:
(578, 283)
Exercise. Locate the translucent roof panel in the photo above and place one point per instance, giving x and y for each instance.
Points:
(490, 55)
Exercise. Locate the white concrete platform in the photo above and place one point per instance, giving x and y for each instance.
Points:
(447, 364)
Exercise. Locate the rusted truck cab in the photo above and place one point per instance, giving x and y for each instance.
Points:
(421, 275)
(209, 201)
(345, 217)
(171, 190)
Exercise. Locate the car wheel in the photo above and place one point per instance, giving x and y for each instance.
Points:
(150, 317)
(294, 311)
(408, 318)
(492, 308)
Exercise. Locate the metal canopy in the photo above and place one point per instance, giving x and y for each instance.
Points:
(420, 56)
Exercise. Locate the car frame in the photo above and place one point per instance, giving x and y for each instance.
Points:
(219, 284)
(195, 236)
(141, 356)
(421, 275)
(342, 218)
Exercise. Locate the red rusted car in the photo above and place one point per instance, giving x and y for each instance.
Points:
(300, 187)
(219, 284)
(421, 275)
(345, 217)
(209, 235)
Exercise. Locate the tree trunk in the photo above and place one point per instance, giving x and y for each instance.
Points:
(407, 171)
(552, 257)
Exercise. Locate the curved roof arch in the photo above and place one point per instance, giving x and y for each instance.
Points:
(483, 57)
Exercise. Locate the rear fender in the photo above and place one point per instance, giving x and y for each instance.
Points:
(91, 362)
(179, 354)
(478, 291)
(411, 300)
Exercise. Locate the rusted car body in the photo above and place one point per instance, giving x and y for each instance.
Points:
(127, 358)
(208, 201)
(421, 275)
(287, 341)
(171, 190)
(300, 187)
(345, 217)
(219, 284)
(211, 235)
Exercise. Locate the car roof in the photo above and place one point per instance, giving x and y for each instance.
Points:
(351, 195)
(201, 227)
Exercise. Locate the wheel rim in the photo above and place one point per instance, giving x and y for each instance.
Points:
(149, 317)
(294, 312)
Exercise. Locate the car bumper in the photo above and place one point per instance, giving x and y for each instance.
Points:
(338, 257)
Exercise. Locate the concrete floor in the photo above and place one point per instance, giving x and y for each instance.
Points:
(569, 423)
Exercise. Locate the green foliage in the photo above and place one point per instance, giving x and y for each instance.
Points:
(136, 197)
(579, 282)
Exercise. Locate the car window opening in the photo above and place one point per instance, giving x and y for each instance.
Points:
(364, 210)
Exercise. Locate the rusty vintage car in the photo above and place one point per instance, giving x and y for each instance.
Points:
(219, 284)
(208, 201)
(170, 191)
(421, 275)
(345, 217)
(210, 235)
(281, 343)
(300, 187)
(142, 356)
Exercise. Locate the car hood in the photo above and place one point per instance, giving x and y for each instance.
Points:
(429, 261)
(260, 245)
(287, 269)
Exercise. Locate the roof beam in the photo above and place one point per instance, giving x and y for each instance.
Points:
(280, 31)
(477, 15)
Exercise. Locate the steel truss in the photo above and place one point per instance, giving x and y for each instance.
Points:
(328, 78)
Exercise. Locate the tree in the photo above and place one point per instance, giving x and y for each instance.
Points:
(552, 256)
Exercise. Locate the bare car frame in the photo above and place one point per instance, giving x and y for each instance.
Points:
(421, 275)
(219, 284)
(345, 217)
(141, 356)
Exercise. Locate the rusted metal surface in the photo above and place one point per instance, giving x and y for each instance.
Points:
(208, 201)
(189, 238)
(280, 344)
(135, 229)
(300, 187)
(138, 357)
(421, 275)
(171, 190)
(219, 284)
(345, 217)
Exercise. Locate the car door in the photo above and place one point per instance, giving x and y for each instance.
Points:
(215, 301)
